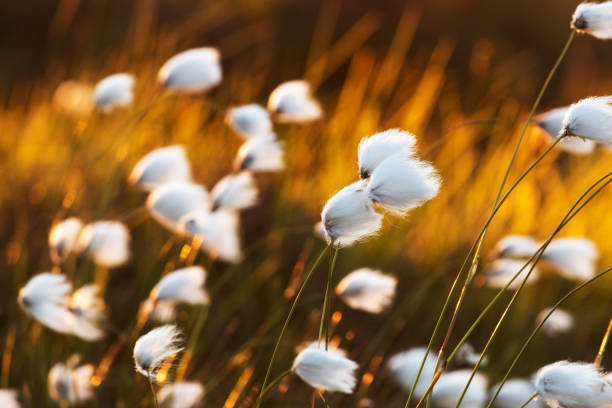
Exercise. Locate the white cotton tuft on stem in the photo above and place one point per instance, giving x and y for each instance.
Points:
(292, 102)
(106, 242)
(261, 153)
(590, 118)
(594, 19)
(69, 384)
(193, 71)
(63, 238)
(114, 91)
(172, 201)
(234, 192)
(368, 290)
(153, 350)
(552, 123)
(163, 165)
(218, 232)
(404, 368)
(325, 369)
(249, 120)
(376, 148)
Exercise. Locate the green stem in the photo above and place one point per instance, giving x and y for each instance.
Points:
(537, 329)
(289, 315)
(576, 207)
(473, 265)
(326, 310)
(274, 382)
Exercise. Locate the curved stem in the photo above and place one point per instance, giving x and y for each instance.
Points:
(538, 327)
(274, 382)
(289, 315)
(326, 310)
(576, 207)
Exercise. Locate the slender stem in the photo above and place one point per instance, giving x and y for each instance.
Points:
(182, 369)
(535, 394)
(274, 382)
(576, 207)
(326, 310)
(473, 266)
(153, 392)
(604, 344)
(289, 315)
(537, 329)
(476, 256)
(324, 399)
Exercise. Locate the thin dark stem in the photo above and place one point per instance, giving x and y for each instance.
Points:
(537, 329)
(604, 344)
(535, 394)
(153, 392)
(326, 311)
(289, 315)
(274, 382)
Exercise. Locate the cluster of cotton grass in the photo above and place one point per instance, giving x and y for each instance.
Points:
(210, 219)
(392, 180)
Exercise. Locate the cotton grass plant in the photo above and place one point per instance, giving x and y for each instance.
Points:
(197, 203)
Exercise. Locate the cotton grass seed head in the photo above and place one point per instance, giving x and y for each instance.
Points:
(261, 153)
(292, 102)
(376, 148)
(514, 393)
(404, 368)
(566, 384)
(44, 297)
(63, 238)
(114, 91)
(448, 389)
(558, 323)
(552, 124)
(590, 118)
(170, 202)
(594, 19)
(182, 285)
(348, 216)
(9, 399)
(501, 271)
(516, 247)
(106, 242)
(180, 395)
(401, 182)
(218, 232)
(573, 258)
(249, 120)
(367, 289)
(89, 312)
(234, 192)
(164, 165)
(324, 369)
(153, 350)
(69, 384)
(192, 71)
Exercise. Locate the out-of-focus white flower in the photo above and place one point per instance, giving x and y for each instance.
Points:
(74, 97)
(63, 238)
(325, 369)
(590, 118)
(234, 192)
(218, 231)
(152, 350)
(90, 313)
(448, 389)
(249, 120)
(516, 246)
(404, 368)
(180, 395)
(467, 355)
(292, 101)
(376, 148)
(107, 242)
(573, 385)
(319, 230)
(552, 123)
(8, 399)
(44, 297)
(573, 258)
(192, 71)
(401, 182)
(160, 310)
(559, 322)
(514, 393)
(261, 153)
(69, 384)
(164, 165)
(114, 91)
(501, 271)
(182, 285)
(172, 201)
(367, 289)
(594, 19)
(348, 216)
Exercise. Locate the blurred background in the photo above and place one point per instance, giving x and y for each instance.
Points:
(461, 75)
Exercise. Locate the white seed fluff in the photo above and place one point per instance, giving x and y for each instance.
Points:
(114, 91)
(63, 238)
(180, 395)
(559, 322)
(590, 118)
(448, 389)
(219, 232)
(573, 258)
(249, 120)
(192, 71)
(172, 201)
(234, 192)
(261, 153)
(348, 216)
(594, 19)
(152, 350)
(552, 123)
(367, 289)
(404, 368)
(107, 242)
(182, 285)
(164, 165)
(376, 148)
(292, 101)
(325, 369)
